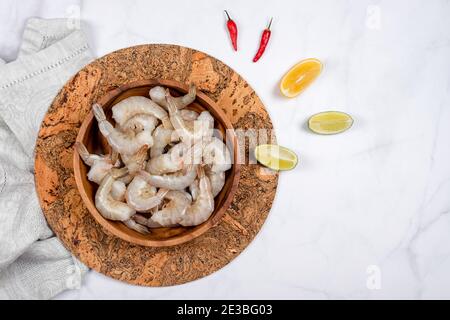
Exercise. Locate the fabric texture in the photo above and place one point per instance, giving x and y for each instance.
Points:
(33, 262)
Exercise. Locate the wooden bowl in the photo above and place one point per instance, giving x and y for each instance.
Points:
(95, 143)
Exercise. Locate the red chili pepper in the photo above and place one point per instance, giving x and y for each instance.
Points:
(264, 41)
(232, 29)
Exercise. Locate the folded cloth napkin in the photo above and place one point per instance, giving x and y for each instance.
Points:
(33, 262)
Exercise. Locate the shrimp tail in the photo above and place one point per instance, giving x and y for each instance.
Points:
(119, 173)
(140, 219)
(200, 172)
(136, 226)
(145, 222)
(162, 192)
(166, 123)
(171, 103)
(190, 96)
(114, 157)
(83, 152)
(98, 112)
(137, 161)
(140, 155)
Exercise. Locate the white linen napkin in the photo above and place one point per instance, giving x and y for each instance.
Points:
(33, 262)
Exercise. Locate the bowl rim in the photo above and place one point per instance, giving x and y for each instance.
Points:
(196, 231)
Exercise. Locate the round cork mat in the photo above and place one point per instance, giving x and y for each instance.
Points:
(61, 201)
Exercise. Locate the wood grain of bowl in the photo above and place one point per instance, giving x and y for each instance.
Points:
(95, 143)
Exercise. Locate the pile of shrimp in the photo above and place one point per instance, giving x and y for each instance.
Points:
(166, 163)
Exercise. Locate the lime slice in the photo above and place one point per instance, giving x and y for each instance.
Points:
(276, 157)
(330, 122)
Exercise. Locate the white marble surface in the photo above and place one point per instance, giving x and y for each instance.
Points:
(371, 201)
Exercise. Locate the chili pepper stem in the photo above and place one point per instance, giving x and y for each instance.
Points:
(228, 16)
(270, 23)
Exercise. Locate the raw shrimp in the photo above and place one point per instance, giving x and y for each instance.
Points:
(171, 161)
(158, 95)
(161, 138)
(126, 179)
(173, 181)
(143, 197)
(217, 180)
(118, 190)
(217, 155)
(136, 162)
(132, 106)
(194, 190)
(190, 132)
(100, 165)
(130, 223)
(146, 221)
(87, 157)
(189, 115)
(115, 158)
(173, 211)
(202, 208)
(193, 154)
(140, 122)
(109, 208)
(120, 141)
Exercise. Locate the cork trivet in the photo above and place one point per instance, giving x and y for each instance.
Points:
(61, 201)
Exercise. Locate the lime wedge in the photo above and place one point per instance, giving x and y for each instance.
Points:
(330, 122)
(276, 157)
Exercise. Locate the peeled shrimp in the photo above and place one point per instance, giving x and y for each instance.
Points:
(161, 138)
(100, 165)
(217, 180)
(173, 211)
(118, 190)
(189, 115)
(174, 181)
(135, 105)
(217, 155)
(190, 132)
(171, 161)
(158, 95)
(143, 197)
(109, 208)
(202, 208)
(87, 157)
(140, 122)
(118, 140)
(136, 162)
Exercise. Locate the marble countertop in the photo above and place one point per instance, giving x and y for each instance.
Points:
(365, 213)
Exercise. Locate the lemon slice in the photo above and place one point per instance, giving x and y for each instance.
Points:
(330, 122)
(299, 77)
(276, 157)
